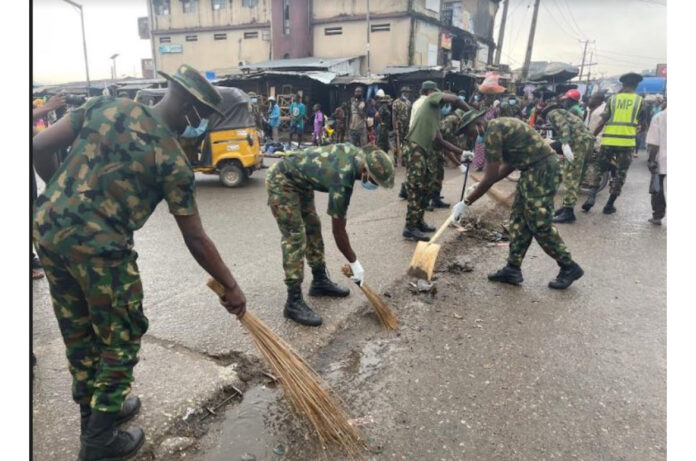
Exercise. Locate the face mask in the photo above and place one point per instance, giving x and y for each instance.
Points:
(512, 102)
(476, 98)
(367, 184)
(254, 101)
(462, 98)
(193, 132)
(404, 97)
(446, 109)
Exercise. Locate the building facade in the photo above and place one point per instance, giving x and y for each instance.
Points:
(226, 35)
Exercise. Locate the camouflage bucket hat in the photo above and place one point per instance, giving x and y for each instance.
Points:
(194, 83)
(468, 118)
(429, 85)
(379, 165)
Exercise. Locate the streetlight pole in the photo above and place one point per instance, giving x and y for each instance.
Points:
(113, 64)
(84, 40)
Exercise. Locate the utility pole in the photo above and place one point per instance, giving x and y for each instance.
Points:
(501, 33)
(151, 14)
(530, 43)
(589, 71)
(582, 66)
(367, 20)
(84, 40)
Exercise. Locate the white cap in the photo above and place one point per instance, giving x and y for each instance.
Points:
(380, 93)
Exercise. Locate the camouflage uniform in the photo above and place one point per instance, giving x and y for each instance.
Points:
(515, 143)
(402, 114)
(123, 162)
(569, 129)
(384, 127)
(291, 183)
(448, 128)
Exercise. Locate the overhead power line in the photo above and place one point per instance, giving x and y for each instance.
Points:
(572, 17)
(574, 37)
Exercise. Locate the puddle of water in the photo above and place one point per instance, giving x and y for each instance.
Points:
(360, 364)
(248, 427)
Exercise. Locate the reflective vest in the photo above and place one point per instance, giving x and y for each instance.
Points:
(620, 129)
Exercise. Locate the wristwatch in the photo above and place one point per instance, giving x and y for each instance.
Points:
(467, 202)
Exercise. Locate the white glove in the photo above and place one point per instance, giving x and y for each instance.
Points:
(567, 152)
(467, 156)
(458, 209)
(496, 103)
(463, 167)
(358, 272)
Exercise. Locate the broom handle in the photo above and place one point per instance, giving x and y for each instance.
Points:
(440, 231)
(466, 176)
(217, 287)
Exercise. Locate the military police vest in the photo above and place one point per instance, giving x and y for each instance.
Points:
(620, 129)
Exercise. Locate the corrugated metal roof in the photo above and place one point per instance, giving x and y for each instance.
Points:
(307, 63)
(323, 77)
(396, 70)
(351, 79)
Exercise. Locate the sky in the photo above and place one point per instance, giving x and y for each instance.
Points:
(626, 35)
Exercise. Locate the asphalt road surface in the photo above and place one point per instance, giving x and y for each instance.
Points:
(480, 371)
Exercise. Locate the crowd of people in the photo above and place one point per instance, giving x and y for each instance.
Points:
(125, 158)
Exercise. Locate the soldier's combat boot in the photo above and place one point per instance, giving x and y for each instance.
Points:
(558, 211)
(589, 203)
(437, 202)
(130, 408)
(425, 227)
(102, 440)
(412, 233)
(402, 193)
(609, 208)
(323, 286)
(296, 309)
(566, 215)
(508, 274)
(566, 276)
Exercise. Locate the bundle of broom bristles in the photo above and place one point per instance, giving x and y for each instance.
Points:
(386, 316)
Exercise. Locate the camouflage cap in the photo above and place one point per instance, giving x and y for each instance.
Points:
(468, 118)
(195, 84)
(379, 165)
(429, 85)
(405, 89)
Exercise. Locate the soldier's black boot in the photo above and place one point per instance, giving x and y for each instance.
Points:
(412, 233)
(102, 440)
(566, 276)
(437, 202)
(566, 215)
(402, 193)
(508, 274)
(558, 211)
(609, 208)
(323, 286)
(296, 309)
(425, 227)
(589, 203)
(130, 408)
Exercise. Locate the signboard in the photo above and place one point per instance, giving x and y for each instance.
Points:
(147, 68)
(661, 70)
(144, 28)
(165, 49)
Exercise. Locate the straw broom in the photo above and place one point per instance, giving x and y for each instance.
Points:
(386, 315)
(302, 386)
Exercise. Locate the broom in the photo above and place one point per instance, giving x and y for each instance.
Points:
(386, 315)
(301, 385)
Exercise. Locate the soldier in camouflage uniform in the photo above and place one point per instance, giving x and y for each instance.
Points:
(512, 144)
(572, 133)
(384, 123)
(401, 115)
(124, 160)
(448, 129)
(424, 138)
(291, 184)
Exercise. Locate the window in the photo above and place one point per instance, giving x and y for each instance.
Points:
(254, 34)
(189, 6)
(165, 40)
(219, 4)
(333, 30)
(161, 7)
(380, 27)
(432, 5)
(220, 37)
(250, 3)
(286, 17)
(192, 38)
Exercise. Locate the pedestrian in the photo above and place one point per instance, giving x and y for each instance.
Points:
(401, 115)
(357, 129)
(593, 118)
(657, 162)
(124, 160)
(571, 102)
(576, 143)
(298, 112)
(370, 115)
(273, 118)
(318, 124)
(512, 144)
(490, 89)
(424, 138)
(255, 112)
(383, 118)
(619, 121)
(291, 184)
(339, 116)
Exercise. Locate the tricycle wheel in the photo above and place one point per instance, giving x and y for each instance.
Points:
(232, 175)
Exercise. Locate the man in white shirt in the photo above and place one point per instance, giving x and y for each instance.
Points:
(595, 107)
(657, 162)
